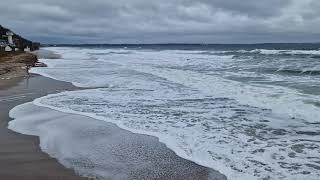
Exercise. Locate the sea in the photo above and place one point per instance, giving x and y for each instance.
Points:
(248, 111)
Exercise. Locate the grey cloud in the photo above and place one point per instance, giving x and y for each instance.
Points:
(165, 21)
(253, 8)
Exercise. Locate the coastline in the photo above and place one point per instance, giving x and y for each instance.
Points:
(22, 157)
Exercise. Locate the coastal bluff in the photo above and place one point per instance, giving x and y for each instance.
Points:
(16, 64)
(18, 42)
(15, 58)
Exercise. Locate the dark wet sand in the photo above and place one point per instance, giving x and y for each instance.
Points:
(21, 157)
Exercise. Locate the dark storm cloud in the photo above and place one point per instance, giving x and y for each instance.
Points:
(151, 21)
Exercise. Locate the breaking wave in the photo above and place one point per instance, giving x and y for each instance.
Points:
(202, 105)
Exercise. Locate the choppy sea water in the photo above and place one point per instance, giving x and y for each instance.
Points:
(250, 113)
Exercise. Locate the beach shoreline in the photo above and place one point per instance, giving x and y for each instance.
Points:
(22, 158)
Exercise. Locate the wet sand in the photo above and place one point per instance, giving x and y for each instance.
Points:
(143, 156)
(20, 155)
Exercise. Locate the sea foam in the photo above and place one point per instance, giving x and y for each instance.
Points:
(100, 150)
(213, 109)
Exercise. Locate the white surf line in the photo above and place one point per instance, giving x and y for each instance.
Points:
(14, 97)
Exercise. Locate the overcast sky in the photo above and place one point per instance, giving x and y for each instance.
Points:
(163, 21)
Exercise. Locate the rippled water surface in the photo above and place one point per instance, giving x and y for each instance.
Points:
(251, 113)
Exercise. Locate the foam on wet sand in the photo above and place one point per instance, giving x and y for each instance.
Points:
(95, 148)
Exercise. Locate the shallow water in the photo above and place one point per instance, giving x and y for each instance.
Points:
(100, 150)
(249, 113)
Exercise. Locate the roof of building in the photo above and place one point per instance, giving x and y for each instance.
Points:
(9, 33)
(3, 42)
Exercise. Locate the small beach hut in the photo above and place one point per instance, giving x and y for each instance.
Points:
(27, 49)
(8, 48)
(3, 44)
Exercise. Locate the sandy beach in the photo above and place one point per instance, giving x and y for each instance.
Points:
(21, 157)
(137, 156)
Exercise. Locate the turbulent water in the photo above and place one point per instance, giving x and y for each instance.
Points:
(249, 112)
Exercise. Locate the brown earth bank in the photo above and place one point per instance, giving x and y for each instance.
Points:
(16, 64)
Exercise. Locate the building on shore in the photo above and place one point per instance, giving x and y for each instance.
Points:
(3, 44)
(10, 34)
(26, 49)
(8, 48)
(10, 41)
(8, 45)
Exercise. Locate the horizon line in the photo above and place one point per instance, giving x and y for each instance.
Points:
(203, 44)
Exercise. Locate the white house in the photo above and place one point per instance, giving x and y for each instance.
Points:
(3, 43)
(8, 48)
(27, 49)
